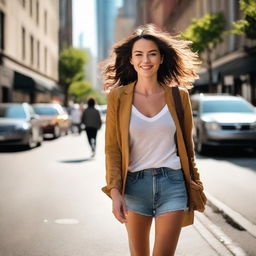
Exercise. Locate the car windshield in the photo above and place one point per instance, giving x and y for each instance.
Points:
(12, 112)
(226, 106)
(46, 111)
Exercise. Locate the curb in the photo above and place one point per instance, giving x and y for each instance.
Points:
(235, 216)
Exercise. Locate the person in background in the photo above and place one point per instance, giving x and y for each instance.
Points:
(147, 170)
(92, 122)
(75, 114)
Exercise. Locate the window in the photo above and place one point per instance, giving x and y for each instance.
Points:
(23, 40)
(31, 8)
(37, 12)
(38, 54)
(45, 59)
(45, 22)
(1, 30)
(31, 50)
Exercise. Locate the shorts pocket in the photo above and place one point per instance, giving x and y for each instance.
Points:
(175, 176)
(132, 177)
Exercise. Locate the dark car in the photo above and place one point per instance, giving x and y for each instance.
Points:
(54, 117)
(223, 120)
(19, 125)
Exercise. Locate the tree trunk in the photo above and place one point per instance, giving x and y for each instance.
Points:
(209, 69)
(66, 95)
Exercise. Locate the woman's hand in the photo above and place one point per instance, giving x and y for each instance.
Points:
(119, 207)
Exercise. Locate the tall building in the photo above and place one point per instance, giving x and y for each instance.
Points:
(28, 50)
(126, 19)
(106, 15)
(65, 26)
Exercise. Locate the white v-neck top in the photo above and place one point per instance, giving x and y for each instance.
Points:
(152, 143)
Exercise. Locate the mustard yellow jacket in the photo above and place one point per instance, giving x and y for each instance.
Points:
(117, 138)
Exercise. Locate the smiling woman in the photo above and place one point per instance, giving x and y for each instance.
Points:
(147, 169)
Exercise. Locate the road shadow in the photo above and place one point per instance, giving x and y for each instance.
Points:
(75, 161)
(244, 157)
(13, 149)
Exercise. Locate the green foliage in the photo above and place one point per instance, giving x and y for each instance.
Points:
(71, 65)
(80, 90)
(248, 7)
(246, 26)
(206, 32)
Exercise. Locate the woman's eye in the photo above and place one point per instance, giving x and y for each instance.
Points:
(152, 54)
(138, 54)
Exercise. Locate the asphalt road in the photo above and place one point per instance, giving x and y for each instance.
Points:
(51, 203)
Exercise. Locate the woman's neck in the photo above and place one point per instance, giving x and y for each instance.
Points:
(147, 86)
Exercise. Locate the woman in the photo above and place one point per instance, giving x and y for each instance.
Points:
(147, 168)
(92, 121)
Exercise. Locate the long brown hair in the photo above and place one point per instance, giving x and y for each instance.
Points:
(180, 64)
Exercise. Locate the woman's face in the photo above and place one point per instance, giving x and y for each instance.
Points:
(146, 58)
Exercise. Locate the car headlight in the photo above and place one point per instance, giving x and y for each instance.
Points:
(212, 126)
(23, 126)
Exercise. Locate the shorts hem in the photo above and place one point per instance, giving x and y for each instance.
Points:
(172, 210)
(141, 213)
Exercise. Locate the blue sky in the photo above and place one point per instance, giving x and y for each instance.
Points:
(84, 21)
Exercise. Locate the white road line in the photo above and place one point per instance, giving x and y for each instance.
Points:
(231, 247)
(235, 216)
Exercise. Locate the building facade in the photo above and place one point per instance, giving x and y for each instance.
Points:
(65, 24)
(29, 50)
(234, 59)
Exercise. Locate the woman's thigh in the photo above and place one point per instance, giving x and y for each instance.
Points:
(138, 228)
(167, 230)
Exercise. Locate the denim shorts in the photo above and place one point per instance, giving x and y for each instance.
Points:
(155, 191)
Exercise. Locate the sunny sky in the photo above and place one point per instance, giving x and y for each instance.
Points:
(84, 21)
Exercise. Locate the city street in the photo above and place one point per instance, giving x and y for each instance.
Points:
(51, 202)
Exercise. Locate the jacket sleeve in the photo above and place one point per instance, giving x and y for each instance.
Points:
(112, 148)
(188, 122)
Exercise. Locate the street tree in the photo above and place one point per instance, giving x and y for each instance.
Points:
(246, 26)
(80, 90)
(205, 33)
(71, 68)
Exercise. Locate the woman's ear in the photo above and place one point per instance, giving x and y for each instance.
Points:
(131, 61)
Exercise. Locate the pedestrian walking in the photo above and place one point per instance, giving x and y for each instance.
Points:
(76, 114)
(92, 121)
(147, 170)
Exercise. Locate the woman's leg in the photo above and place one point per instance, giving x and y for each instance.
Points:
(138, 228)
(167, 231)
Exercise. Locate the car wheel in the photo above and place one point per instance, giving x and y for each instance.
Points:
(56, 132)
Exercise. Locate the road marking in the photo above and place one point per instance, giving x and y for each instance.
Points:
(66, 221)
(232, 247)
(235, 216)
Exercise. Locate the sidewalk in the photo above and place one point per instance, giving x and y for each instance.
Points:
(195, 240)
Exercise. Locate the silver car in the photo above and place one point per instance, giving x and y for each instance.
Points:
(223, 120)
(19, 125)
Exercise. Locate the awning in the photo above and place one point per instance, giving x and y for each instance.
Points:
(27, 83)
(236, 67)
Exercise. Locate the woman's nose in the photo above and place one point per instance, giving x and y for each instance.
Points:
(145, 59)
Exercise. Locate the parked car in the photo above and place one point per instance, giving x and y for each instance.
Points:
(223, 120)
(19, 125)
(54, 117)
